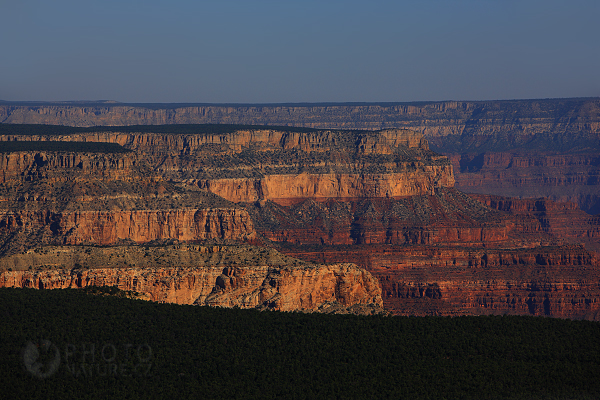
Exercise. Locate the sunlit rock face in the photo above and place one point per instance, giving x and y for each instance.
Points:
(224, 276)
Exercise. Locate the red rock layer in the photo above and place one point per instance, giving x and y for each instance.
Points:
(561, 219)
(558, 281)
(446, 254)
(289, 189)
(277, 288)
(112, 227)
(318, 164)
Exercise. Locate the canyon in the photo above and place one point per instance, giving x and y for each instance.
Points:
(382, 200)
(518, 148)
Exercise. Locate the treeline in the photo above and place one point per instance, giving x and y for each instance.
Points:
(176, 129)
(62, 146)
(113, 347)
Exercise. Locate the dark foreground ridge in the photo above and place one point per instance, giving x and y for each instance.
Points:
(93, 346)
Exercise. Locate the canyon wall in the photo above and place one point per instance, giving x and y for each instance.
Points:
(557, 281)
(446, 216)
(259, 164)
(449, 253)
(382, 200)
(196, 275)
(287, 189)
(476, 135)
(105, 199)
(561, 219)
(560, 177)
(431, 118)
(111, 227)
(234, 139)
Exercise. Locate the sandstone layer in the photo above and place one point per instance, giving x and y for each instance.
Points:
(224, 276)
(105, 199)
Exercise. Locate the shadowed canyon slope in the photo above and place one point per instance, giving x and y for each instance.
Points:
(380, 199)
(523, 148)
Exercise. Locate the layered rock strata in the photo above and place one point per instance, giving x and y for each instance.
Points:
(432, 118)
(380, 199)
(532, 133)
(448, 254)
(105, 199)
(557, 281)
(263, 164)
(560, 177)
(446, 216)
(561, 219)
(203, 275)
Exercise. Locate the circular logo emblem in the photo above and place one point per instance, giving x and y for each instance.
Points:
(41, 359)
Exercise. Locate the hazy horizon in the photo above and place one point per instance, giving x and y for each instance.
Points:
(295, 104)
(270, 52)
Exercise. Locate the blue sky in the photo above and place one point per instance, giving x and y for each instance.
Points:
(274, 51)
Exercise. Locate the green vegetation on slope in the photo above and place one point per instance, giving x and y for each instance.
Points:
(172, 351)
(63, 146)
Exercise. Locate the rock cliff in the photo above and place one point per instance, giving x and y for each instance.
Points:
(263, 164)
(224, 276)
(431, 118)
(540, 131)
(561, 219)
(449, 254)
(557, 281)
(445, 216)
(104, 199)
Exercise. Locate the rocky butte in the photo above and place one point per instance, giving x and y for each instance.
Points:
(379, 199)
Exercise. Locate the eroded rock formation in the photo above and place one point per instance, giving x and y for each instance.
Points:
(382, 200)
(561, 177)
(559, 281)
(224, 276)
(260, 164)
(523, 148)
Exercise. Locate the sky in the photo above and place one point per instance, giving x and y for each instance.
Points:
(284, 51)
